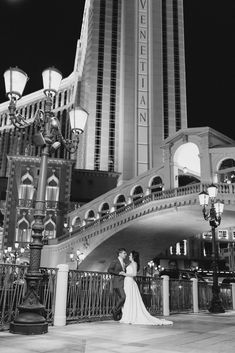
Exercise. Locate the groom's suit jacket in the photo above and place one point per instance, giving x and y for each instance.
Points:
(114, 269)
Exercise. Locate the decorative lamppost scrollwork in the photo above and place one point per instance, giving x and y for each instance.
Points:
(214, 217)
(78, 257)
(49, 137)
(12, 254)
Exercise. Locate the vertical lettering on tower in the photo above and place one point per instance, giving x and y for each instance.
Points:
(142, 88)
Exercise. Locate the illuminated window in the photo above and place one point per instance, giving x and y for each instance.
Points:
(26, 189)
(207, 235)
(178, 249)
(52, 189)
(223, 234)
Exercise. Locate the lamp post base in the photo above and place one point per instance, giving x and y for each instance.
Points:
(29, 323)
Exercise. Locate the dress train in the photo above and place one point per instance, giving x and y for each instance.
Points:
(134, 310)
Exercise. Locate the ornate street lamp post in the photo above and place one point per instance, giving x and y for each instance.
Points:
(13, 254)
(48, 135)
(78, 258)
(214, 218)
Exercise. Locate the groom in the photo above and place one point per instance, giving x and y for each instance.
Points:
(115, 268)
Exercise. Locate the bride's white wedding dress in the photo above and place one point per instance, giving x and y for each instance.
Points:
(134, 311)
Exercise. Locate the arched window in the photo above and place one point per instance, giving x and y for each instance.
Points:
(120, 202)
(77, 222)
(23, 231)
(52, 189)
(90, 217)
(156, 184)
(226, 171)
(26, 189)
(49, 229)
(137, 193)
(104, 209)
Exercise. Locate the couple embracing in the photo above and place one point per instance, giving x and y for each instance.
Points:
(129, 308)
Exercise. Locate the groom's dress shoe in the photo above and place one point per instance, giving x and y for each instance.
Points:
(117, 315)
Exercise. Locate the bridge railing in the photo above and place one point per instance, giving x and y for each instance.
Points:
(13, 288)
(160, 195)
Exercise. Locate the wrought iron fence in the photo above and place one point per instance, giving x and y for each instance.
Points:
(226, 296)
(47, 292)
(89, 295)
(13, 289)
(205, 295)
(151, 292)
(181, 296)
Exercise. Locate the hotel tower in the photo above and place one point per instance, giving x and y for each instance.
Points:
(131, 62)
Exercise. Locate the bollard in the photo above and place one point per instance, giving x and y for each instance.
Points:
(166, 293)
(233, 295)
(61, 295)
(195, 294)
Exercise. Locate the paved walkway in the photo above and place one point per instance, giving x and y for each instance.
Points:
(191, 333)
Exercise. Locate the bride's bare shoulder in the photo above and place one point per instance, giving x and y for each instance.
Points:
(134, 266)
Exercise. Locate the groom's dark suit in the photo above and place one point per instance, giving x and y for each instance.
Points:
(118, 286)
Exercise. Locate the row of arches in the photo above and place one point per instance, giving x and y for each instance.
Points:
(120, 201)
(225, 174)
(27, 187)
(24, 229)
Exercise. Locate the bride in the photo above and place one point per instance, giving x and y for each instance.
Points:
(134, 311)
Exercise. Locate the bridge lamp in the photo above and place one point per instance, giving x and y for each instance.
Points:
(49, 137)
(213, 215)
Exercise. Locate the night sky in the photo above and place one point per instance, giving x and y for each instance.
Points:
(35, 34)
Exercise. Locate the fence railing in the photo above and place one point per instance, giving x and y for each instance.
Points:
(205, 295)
(181, 299)
(151, 292)
(13, 288)
(90, 294)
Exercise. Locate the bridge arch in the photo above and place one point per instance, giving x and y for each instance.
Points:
(89, 216)
(155, 184)
(119, 202)
(137, 192)
(186, 164)
(226, 170)
(76, 222)
(104, 209)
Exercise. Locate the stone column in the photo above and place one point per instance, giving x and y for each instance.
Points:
(61, 295)
(165, 291)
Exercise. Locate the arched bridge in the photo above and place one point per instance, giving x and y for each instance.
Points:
(149, 225)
